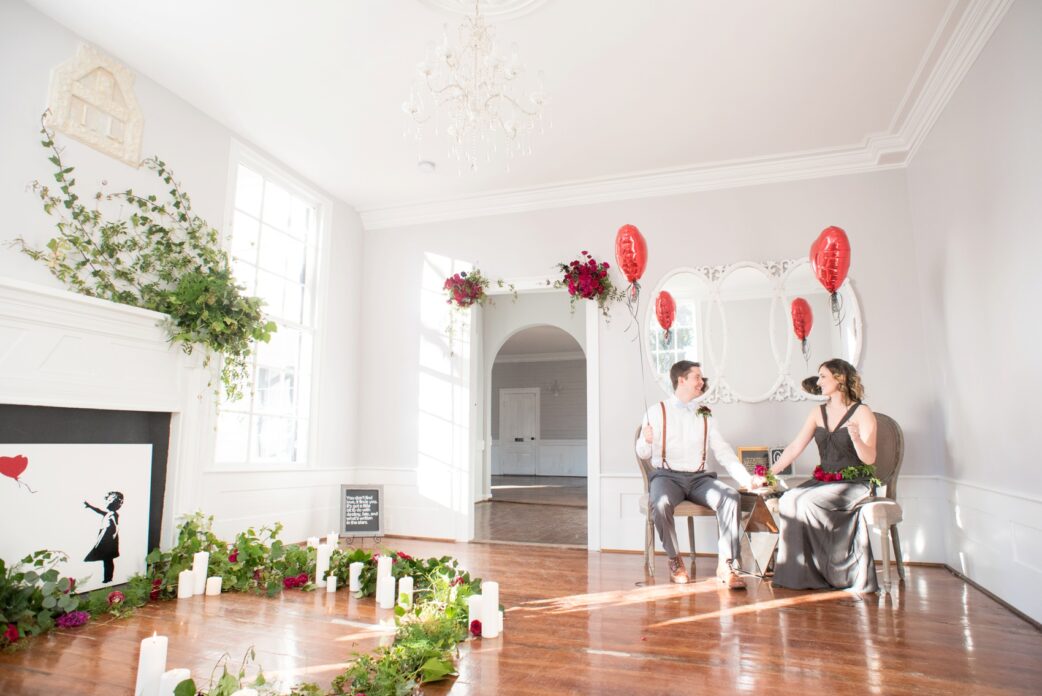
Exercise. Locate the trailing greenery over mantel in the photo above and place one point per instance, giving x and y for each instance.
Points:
(152, 253)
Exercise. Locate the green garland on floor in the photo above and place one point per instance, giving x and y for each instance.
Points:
(34, 599)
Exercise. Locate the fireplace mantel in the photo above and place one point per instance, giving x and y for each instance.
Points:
(63, 349)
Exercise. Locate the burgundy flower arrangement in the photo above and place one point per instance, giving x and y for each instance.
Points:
(586, 279)
(466, 289)
(863, 473)
(767, 474)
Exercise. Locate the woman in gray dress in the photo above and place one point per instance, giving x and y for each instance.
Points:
(824, 543)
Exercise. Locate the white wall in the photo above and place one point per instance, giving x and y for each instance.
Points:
(976, 192)
(756, 223)
(197, 149)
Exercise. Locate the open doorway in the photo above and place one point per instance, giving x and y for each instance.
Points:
(537, 426)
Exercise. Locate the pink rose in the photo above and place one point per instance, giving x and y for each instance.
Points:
(11, 634)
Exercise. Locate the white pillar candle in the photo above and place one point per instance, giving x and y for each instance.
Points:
(323, 554)
(151, 663)
(213, 585)
(489, 609)
(405, 592)
(330, 583)
(473, 609)
(333, 539)
(313, 541)
(355, 576)
(200, 568)
(185, 584)
(385, 592)
(383, 566)
(171, 678)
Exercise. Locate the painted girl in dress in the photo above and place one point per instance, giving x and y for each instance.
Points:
(106, 548)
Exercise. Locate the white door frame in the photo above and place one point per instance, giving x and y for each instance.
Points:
(480, 451)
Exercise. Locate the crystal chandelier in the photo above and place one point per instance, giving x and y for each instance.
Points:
(473, 95)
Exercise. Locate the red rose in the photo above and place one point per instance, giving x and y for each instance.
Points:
(760, 470)
(72, 585)
(233, 557)
(475, 628)
(116, 597)
(157, 585)
(404, 556)
(458, 580)
(11, 634)
(302, 578)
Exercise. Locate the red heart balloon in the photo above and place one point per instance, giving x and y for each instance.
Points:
(802, 318)
(830, 258)
(665, 310)
(631, 252)
(13, 466)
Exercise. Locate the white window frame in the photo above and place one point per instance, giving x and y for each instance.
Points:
(270, 170)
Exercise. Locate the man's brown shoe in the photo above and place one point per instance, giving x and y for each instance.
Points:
(729, 576)
(677, 573)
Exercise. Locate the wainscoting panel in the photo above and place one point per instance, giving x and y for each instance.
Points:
(554, 458)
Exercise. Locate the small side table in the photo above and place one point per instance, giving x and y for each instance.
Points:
(759, 528)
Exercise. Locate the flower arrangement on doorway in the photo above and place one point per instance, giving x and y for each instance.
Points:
(161, 257)
(586, 279)
(466, 289)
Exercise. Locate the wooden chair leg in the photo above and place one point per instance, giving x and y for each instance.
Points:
(691, 540)
(897, 552)
(649, 546)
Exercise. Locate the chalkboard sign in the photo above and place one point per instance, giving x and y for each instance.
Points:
(360, 510)
(776, 453)
(752, 457)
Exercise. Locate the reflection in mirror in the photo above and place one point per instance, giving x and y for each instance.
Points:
(746, 296)
(687, 339)
(826, 340)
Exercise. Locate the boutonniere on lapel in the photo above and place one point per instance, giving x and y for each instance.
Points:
(704, 411)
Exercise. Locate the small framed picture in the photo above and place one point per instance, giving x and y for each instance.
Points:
(776, 453)
(752, 457)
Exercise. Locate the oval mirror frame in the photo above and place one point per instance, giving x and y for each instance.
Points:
(785, 386)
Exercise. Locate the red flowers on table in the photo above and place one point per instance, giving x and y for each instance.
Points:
(157, 585)
(116, 597)
(475, 628)
(72, 619)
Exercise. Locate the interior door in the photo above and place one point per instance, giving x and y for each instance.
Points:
(519, 431)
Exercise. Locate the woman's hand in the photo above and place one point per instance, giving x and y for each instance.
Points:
(855, 431)
(649, 434)
(757, 482)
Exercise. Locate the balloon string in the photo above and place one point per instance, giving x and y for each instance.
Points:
(837, 308)
(633, 305)
(22, 483)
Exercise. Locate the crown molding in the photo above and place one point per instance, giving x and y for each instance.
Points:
(952, 52)
(541, 357)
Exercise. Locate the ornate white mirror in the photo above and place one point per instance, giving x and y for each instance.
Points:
(736, 321)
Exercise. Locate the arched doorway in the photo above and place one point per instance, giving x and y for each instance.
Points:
(538, 445)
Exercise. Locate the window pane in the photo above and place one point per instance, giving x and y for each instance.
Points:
(274, 439)
(302, 219)
(282, 351)
(270, 288)
(275, 390)
(248, 188)
(276, 206)
(244, 237)
(282, 254)
(232, 435)
(293, 303)
(245, 275)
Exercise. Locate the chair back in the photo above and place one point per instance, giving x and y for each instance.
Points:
(890, 450)
(643, 464)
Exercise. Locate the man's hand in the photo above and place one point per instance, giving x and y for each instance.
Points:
(757, 482)
(649, 434)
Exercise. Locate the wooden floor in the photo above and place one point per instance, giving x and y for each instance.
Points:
(578, 623)
(534, 510)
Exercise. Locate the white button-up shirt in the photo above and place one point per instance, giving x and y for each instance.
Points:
(684, 433)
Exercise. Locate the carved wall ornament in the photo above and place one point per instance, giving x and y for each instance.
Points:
(92, 100)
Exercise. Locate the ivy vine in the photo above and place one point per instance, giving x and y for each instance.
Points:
(161, 256)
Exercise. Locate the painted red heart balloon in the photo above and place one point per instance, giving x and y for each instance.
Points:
(631, 252)
(830, 258)
(665, 310)
(802, 318)
(13, 466)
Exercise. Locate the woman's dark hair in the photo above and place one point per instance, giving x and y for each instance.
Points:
(848, 378)
(117, 500)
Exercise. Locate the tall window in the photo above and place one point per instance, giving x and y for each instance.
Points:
(274, 246)
(683, 343)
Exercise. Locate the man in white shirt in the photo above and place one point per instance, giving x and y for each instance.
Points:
(680, 471)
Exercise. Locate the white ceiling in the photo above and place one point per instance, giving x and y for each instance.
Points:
(637, 89)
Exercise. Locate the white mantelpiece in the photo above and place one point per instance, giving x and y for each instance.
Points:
(62, 349)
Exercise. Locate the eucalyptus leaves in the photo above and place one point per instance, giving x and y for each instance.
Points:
(160, 256)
